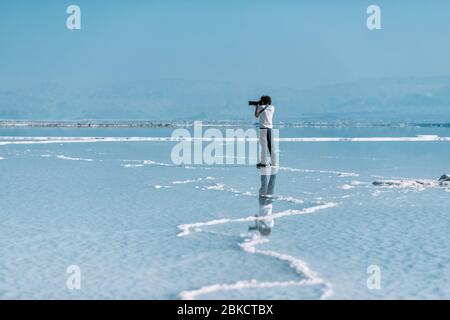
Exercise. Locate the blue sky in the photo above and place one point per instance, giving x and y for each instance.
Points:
(295, 43)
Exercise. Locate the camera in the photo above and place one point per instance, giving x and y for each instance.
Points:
(255, 103)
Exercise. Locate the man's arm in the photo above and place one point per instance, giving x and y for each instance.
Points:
(259, 111)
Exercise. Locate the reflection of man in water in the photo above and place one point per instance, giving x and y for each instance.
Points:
(264, 222)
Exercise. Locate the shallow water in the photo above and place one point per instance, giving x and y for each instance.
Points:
(141, 228)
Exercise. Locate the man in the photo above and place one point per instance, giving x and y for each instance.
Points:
(265, 112)
(264, 221)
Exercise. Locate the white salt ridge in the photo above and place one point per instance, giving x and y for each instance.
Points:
(338, 173)
(186, 228)
(186, 181)
(47, 140)
(192, 180)
(239, 285)
(216, 186)
(308, 276)
(157, 186)
(346, 187)
(195, 167)
(288, 199)
(221, 187)
(141, 163)
(357, 183)
(128, 165)
(300, 267)
(63, 157)
(1, 158)
(418, 138)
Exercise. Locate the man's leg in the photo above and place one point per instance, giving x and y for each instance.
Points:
(263, 142)
(271, 186)
(273, 147)
(263, 188)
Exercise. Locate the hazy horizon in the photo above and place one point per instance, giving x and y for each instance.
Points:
(154, 59)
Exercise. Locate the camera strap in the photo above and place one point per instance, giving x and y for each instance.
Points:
(264, 109)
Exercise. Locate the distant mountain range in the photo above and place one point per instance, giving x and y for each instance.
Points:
(374, 100)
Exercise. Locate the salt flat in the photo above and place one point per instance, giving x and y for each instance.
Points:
(140, 227)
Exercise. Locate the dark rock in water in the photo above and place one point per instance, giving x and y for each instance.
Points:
(402, 183)
(444, 181)
(387, 183)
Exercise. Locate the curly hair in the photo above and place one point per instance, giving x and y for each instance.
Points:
(266, 100)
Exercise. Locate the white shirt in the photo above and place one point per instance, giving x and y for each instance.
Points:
(265, 118)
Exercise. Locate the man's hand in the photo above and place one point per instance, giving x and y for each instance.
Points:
(257, 111)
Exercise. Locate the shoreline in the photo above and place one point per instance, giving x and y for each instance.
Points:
(151, 124)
